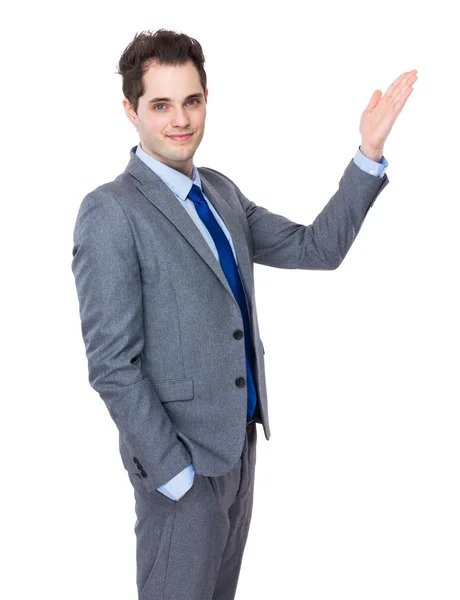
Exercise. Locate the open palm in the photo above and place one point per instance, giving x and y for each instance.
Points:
(381, 112)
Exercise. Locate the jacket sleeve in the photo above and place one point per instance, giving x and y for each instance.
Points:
(279, 242)
(108, 281)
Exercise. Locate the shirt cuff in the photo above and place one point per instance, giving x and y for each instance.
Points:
(179, 484)
(370, 166)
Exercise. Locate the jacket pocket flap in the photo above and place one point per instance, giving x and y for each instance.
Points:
(170, 390)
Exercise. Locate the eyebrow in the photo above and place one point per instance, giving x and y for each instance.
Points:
(199, 95)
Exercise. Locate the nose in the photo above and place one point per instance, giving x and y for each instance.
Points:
(180, 118)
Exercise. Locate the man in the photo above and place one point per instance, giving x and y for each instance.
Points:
(163, 261)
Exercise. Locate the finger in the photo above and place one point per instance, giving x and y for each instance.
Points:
(402, 88)
(392, 87)
(402, 101)
(406, 82)
(401, 94)
(400, 80)
(374, 100)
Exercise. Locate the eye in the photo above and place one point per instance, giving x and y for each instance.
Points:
(195, 100)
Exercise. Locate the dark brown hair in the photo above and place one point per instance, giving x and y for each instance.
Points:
(166, 47)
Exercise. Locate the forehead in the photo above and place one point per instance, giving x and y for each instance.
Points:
(173, 81)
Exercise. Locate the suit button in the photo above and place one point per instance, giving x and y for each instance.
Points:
(238, 334)
(136, 460)
(143, 473)
(240, 382)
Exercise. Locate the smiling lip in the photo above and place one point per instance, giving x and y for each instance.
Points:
(180, 138)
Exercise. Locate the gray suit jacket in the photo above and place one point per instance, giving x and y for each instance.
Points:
(159, 319)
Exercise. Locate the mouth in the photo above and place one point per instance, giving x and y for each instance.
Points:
(180, 138)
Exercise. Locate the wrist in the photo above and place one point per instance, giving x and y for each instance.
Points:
(374, 154)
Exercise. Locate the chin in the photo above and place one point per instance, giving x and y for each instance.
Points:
(184, 156)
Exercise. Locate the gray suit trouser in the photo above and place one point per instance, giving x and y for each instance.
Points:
(192, 549)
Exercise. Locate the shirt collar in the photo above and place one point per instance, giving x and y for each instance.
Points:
(177, 182)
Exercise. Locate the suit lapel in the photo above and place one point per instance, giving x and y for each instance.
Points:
(158, 193)
(239, 240)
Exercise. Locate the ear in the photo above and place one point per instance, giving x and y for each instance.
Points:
(129, 110)
(206, 94)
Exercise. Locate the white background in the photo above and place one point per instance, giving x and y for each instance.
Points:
(357, 491)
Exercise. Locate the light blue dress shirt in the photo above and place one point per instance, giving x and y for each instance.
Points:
(181, 185)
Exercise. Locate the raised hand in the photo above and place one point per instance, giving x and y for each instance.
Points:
(381, 113)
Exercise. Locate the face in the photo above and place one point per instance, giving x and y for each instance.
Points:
(171, 114)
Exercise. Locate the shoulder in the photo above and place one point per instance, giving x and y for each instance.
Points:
(216, 177)
(111, 197)
(105, 211)
(224, 186)
(119, 188)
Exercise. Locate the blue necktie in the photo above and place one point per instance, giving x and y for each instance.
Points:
(228, 264)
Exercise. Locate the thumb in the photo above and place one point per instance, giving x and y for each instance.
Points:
(374, 100)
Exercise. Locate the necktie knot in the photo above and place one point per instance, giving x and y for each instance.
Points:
(196, 195)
